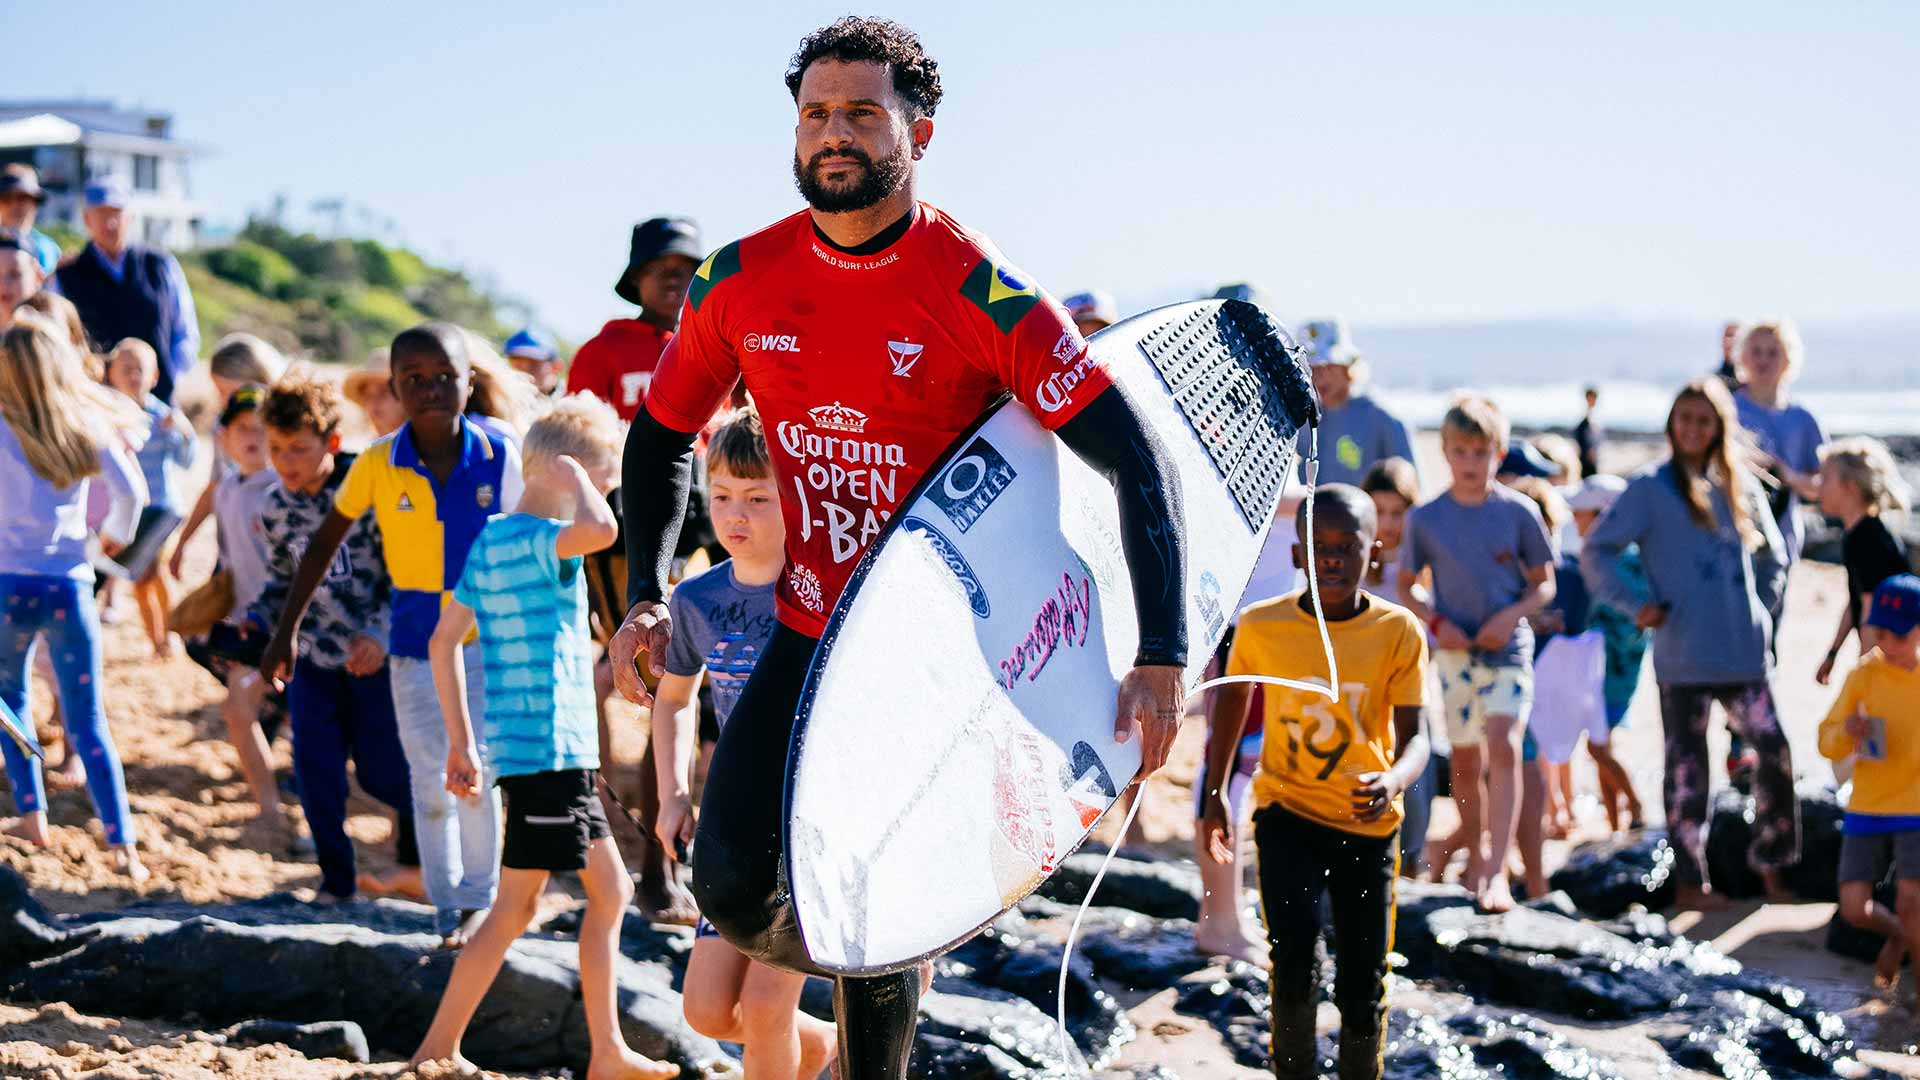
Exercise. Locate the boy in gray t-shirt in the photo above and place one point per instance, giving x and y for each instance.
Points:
(1492, 566)
(720, 625)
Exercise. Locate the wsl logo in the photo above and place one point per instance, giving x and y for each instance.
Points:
(969, 581)
(786, 343)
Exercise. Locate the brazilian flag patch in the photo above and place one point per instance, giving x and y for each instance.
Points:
(719, 266)
(1002, 292)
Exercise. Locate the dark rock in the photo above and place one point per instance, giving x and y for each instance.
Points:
(341, 1039)
(936, 1057)
(1817, 875)
(272, 959)
(1742, 1037)
(1730, 830)
(1144, 954)
(1006, 956)
(1518, 1047)
(28, 931)
(1163, 890)
(988, 1017)
(1543, 960)
(1607, 877)
(1237, 1005)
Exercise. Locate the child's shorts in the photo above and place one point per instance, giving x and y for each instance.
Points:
(1472, 690)
(1567, 701)
(552, 818)
(1865, 857)
(143, 553)
(1245, 762)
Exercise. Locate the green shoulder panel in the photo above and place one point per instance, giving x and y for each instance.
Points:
(720, 266)
(1002, 292)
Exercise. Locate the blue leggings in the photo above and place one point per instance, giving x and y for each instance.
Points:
(62, 610)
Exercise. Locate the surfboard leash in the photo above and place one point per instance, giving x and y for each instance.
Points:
(1331, 691)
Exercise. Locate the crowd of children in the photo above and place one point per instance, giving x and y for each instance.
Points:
(422, 613)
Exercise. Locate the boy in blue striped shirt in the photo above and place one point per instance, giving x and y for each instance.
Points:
(523, 586)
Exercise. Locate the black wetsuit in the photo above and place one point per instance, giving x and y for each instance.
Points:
(738, 854)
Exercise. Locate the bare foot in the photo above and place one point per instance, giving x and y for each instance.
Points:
(1698, 898)
(1886, 967)
(819, 1042)
(402, 881)
(1234, 946)
(127, 861)
(429, 1064)
(69, 774)
(1494, 897)
(627, 1065)
(664, 900)
(469, 923)
(29, 827)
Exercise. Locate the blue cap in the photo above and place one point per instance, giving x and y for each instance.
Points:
(533, 345)
(106, 191)
(1328, 342)
(1523, 460)
(1092, 304)
(1896, 605)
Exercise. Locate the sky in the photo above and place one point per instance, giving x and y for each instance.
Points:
(1398, 165)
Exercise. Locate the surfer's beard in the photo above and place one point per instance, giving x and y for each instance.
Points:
(877, 180)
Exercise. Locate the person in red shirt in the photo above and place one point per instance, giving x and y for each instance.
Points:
(871, 330)
(616, 364)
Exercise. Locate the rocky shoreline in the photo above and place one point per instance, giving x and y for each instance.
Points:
(361, 980)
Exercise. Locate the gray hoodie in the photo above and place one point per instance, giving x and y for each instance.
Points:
(1718, 592)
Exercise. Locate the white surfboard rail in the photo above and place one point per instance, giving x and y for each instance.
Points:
(955, 737)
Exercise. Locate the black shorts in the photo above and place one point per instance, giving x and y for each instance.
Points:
(552, 818)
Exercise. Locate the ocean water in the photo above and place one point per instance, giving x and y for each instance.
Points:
(1628, 406)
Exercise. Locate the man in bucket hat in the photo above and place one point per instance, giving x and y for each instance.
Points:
(20, 198)
(618, 362)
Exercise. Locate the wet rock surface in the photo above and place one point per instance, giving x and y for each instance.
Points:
(317, 977)
(1608, 877)
(341, 1039)
(1730, 830)
(1162, 890)
(376, 965)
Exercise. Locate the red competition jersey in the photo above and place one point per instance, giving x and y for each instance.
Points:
(616, 364)
(864, 368)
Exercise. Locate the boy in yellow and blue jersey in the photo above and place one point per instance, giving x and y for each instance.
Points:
(431, 486)
(524, 588)
(1877, 720)
(1327, 798)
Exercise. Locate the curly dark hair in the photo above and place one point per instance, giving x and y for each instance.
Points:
(302, 401)
(855, 38)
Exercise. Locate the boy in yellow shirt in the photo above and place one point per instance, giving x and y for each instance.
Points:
(1877, 719)
(1327, 797)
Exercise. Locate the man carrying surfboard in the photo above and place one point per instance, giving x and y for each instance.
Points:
(871, 330)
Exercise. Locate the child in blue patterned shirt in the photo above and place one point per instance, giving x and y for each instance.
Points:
(523, 586)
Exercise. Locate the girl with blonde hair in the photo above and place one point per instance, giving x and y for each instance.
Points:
(49, 451)
(1711, 554)
(1859, 482)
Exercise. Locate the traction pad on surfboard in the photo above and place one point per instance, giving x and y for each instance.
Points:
(1239, 380)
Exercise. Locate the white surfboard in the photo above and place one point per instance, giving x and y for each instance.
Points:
(955, 738)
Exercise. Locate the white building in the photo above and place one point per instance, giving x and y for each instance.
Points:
(73, 142)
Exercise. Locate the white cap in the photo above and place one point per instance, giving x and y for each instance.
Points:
(1597, 492)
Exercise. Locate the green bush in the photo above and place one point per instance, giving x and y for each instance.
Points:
(261, 269)
(382, 311)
